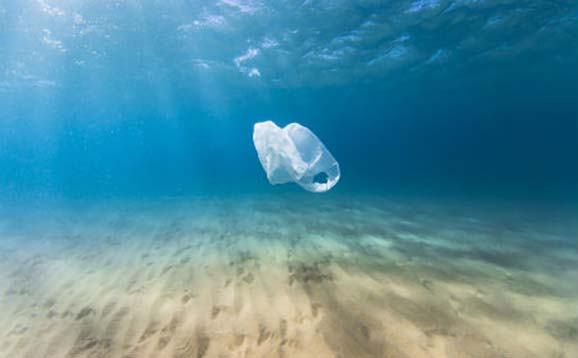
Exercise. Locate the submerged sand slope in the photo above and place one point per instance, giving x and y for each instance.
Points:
(305, 277)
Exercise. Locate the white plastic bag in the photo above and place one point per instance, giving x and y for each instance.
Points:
(295, 154)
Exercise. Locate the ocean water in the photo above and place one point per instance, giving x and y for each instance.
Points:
(137, 221)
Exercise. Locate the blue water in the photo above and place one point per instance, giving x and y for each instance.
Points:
(137, 221)
(126, 98)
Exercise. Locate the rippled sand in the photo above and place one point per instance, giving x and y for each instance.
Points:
(311, 276)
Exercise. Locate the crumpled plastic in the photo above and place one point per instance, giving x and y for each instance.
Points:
(295, 154)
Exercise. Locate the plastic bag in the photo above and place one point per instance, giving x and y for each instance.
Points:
(295, 154)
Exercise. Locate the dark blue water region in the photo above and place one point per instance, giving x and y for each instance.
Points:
(500, 137)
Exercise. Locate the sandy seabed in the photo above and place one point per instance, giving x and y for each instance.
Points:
(311, 276)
